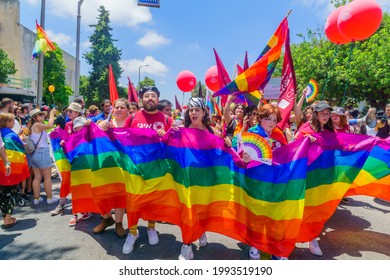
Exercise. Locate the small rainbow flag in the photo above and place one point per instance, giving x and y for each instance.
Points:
(43, 43)
(311, 90)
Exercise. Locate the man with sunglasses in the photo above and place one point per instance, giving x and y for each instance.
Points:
(150, 118)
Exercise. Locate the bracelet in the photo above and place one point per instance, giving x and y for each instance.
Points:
(7, 163)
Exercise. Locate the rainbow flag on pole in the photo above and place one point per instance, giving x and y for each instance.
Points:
(189, 178)
(43, 43)
(259, 73)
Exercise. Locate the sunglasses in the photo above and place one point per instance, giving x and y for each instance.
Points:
(69, 111)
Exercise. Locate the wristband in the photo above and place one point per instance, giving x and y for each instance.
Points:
(7, 163)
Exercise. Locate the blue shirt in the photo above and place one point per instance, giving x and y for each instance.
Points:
(99, 117)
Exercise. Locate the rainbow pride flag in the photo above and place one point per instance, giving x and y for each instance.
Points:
(15, 153)
(43, 44)
(259, 73)
(191, 179)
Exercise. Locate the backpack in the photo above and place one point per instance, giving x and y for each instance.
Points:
(30, 147)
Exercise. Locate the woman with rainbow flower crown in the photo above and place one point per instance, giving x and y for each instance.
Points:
(268, 116)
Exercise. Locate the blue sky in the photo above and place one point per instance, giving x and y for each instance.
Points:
(181, 34)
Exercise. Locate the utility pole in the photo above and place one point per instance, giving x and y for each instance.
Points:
(77, 73)
(40, 61)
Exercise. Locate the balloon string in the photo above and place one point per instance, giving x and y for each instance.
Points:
(349, 67)
(330, 69)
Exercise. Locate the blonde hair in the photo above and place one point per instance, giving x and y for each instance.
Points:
(5, 118)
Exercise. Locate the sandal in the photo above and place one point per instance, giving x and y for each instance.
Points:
(11, 224)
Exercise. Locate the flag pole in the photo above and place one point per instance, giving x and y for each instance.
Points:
(288, 13)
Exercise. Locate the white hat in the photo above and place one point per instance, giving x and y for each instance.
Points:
(79, 122)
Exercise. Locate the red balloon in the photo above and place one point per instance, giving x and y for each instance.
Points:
(186, 81)
(211, 78)
(184, 107)
(332, 30)
(359, 19)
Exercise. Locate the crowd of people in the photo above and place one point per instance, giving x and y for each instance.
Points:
(159, 115)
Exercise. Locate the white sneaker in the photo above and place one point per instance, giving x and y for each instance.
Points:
(152, 236)
(314, 248)
(254, 254)
(186, 253)
(52, 200)
(37, 201)
(129, 243)
(203, 240)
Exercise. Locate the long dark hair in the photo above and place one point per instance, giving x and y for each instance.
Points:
(316, 125)
(205, 120)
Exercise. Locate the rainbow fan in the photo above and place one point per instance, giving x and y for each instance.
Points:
(256, 147)
(311, 90)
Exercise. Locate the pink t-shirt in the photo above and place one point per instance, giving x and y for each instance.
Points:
(142, 119)
(69, 127)
(304, 130)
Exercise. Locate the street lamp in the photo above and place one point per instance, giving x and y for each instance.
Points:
(40, 62)
(77, 70)
(139, 76)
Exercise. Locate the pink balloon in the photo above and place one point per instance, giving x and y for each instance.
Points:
(332, 30)
(359, 19)
(211, 78)
(186, 81)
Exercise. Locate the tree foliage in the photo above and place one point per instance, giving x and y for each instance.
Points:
(7, 67)
(355, 71)
(54, 73)
(103, 52)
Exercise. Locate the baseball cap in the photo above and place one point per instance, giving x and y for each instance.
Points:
(322, 105)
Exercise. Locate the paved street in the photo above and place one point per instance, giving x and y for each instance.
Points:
(358, 230)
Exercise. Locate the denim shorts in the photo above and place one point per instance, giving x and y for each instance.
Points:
(41, 158)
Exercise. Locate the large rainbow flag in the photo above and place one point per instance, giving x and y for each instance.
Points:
(191, 179)
(15, 153)
(259, 73)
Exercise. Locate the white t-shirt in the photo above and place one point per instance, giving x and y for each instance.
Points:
(1, 142)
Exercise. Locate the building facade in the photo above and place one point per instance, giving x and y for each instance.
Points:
(18, 42)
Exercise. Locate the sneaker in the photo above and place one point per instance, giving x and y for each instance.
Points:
(203, 240)
(86, 216)
(186, 253)
(129, 243)
(37, 201)
(279, 258)
(52, 200)
(345, 200)
(254, 254)
(314, 248)
(58, 210)
(152, 236)
(73, 221)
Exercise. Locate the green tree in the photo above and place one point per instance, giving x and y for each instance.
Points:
(54, 73)
(103, 52)
(84, 91)
(7, 67)
(147, 82)
(195, 91)
(359, 70)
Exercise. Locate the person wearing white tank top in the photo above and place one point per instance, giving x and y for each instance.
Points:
(41, 162)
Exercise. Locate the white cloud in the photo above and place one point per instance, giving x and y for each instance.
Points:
(131, 67)
(153, 40)
(60, 38)
(122, 12)
(320, 8)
